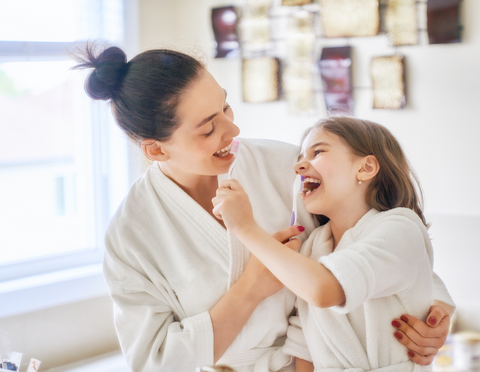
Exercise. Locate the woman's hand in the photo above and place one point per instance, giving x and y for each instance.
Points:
(233, 206)
(423, 339)
(260, 281)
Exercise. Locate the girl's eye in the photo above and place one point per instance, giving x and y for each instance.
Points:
(211, 132)
(317, 152)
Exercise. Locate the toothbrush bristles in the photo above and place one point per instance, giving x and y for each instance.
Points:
(234, 148)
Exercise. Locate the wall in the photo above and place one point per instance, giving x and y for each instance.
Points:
(439, 128)
(61, 335)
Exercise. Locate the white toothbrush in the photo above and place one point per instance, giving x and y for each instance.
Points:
(297, 189)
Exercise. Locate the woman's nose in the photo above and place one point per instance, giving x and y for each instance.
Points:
(231, 130)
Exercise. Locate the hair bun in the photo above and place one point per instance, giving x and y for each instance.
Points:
(110, 67)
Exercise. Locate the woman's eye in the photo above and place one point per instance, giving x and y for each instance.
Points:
(211, 132)
(227, 106)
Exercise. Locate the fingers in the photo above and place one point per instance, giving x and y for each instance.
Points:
(230, 184)
(293, 244)
(419, 359)
(216, 210)
(413, 326)
(283, 235)
(421, 340)
(437, 315)
(422, 346)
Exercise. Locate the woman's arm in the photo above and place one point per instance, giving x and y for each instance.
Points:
(423, 340)
(233, 310)
(303, 365)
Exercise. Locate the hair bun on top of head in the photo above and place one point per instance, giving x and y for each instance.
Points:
(110, 67)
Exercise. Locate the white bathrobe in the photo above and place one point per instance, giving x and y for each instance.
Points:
(384, 264)
(168, 262)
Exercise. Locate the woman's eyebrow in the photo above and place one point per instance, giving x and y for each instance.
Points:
(207, 119)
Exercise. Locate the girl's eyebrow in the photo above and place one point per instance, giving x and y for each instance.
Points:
(206, 120)
(320, 143)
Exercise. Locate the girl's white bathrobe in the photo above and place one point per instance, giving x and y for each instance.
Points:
(168, 262)
(384, 264)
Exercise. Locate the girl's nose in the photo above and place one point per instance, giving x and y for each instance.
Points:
(300, 167)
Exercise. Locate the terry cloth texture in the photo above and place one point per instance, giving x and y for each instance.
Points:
(384, 264)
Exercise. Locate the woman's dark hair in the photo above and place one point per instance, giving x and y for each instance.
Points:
(143, 92)
(395, 184)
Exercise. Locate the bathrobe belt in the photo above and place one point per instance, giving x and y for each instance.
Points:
(265, 359)
(400, 367)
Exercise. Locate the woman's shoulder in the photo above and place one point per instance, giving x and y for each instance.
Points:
(268, 148)
(134, 207)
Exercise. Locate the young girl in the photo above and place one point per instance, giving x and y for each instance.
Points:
(372, 261)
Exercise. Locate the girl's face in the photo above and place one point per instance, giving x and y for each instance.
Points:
(200, 146)
(330, 169)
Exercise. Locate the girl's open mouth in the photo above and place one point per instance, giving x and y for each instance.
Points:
(310, 185)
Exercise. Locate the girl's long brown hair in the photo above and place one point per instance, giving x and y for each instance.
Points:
(396, 184)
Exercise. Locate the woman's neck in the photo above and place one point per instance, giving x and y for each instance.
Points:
(200, 188)
(346, 218)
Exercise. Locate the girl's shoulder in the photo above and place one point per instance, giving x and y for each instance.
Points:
(393, 220)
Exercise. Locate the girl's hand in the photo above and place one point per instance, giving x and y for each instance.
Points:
(233, 206)
(259, 281)
(423, 339)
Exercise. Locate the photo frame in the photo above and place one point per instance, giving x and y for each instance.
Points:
(388, 82)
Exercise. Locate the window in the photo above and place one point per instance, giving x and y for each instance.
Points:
(56, 167)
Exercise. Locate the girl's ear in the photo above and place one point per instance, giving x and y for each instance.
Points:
(368, 169)
(154, 150)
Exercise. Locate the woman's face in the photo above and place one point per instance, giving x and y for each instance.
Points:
(330, 170)
(200, 146)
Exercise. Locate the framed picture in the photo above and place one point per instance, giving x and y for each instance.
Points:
(335, 70)
(224, 24)
(443, 21)
(349, 18)
(260, 79)
(388, 81)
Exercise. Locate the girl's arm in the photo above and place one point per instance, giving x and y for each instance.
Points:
(308, 279)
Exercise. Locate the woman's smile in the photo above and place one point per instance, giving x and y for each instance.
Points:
(224, 153)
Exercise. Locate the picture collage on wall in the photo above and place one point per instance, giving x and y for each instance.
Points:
(283, 56)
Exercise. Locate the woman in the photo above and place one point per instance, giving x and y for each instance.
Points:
(187, 293)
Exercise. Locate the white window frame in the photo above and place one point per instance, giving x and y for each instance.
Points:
(64, 278)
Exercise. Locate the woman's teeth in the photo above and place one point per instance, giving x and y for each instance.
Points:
(223, 152)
